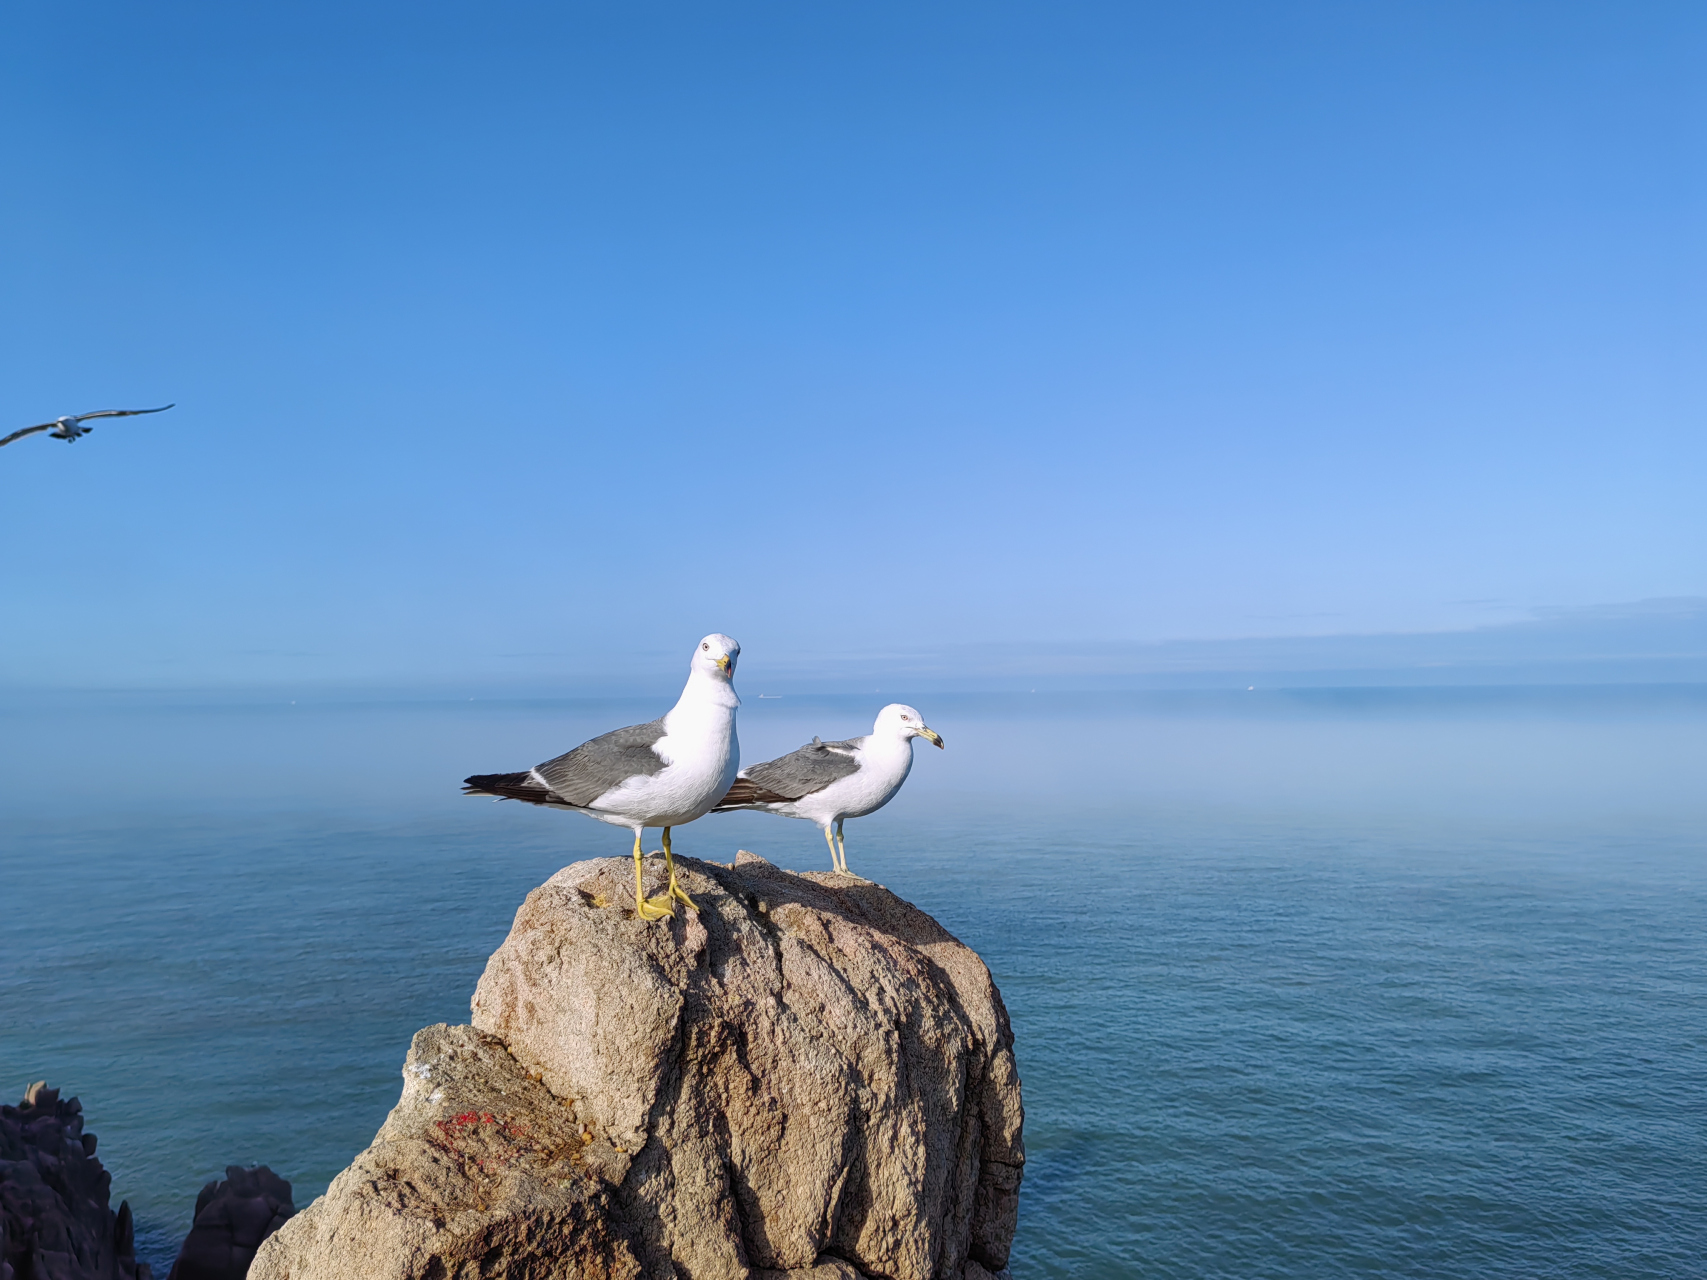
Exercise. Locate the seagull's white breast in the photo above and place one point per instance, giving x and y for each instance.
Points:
(701, 755)
(884, 764)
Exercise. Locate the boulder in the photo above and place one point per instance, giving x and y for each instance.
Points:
(807, 1077)
(232, 1218)
(55, 1223)
(479, 1170)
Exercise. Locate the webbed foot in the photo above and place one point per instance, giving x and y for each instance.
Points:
(676, 893)
(679, 894)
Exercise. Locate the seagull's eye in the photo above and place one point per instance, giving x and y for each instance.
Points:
(906, 717)
(706, 647)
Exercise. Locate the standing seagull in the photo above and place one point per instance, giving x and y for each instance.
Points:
(661, 774)
(829, 782)
(71, 425)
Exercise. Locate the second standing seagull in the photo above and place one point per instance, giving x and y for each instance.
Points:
(830, 782)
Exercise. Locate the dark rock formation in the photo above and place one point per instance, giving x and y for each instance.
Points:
(232, 1218)
(805, 1079)
(54, 1219)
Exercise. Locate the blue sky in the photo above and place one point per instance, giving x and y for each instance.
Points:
(514, 341)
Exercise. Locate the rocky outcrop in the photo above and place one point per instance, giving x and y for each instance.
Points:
(478, 1170)
(55, 1223)
(232, 1218)
(806, 1078)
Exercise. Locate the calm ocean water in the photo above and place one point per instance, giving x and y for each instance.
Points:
(1307, 984)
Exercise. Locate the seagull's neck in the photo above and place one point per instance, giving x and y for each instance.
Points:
(703, 693)
(889, 744)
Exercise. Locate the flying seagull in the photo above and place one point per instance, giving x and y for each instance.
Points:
(660, 774)
(71, 426)
(829, 782)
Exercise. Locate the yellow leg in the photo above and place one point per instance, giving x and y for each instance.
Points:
(644, 908)
(843, 848)
(835, 862)
(676, 891)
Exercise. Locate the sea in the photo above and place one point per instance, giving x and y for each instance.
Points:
(1311, 982)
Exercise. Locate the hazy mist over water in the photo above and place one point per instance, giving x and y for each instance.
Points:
(1519, 752)
(1304, 982)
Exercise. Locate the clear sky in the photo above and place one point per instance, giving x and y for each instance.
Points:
(516, 340)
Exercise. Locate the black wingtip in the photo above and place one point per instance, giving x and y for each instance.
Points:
(512, 786)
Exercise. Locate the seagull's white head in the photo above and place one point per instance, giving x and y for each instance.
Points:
(716, 656)
(901, 721)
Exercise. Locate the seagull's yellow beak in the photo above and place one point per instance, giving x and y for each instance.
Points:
(932, 734)
(725, 664)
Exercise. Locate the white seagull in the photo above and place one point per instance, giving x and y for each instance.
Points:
(71, 425)
(661, 774)
(829, 782)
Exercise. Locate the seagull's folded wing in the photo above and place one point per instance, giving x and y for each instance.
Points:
(596, 766)
(576, 778)
(793, 776)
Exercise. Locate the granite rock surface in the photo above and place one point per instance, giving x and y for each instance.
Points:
(807, 1077)
(478, 1171)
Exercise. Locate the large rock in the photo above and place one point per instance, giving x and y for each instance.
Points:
(55, 1223)
(807, 1076)
(232, 1218)
(478, 1171)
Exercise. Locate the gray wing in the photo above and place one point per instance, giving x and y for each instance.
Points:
(583, 775)
(800, 773)
(27, 431)
(122, 413)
